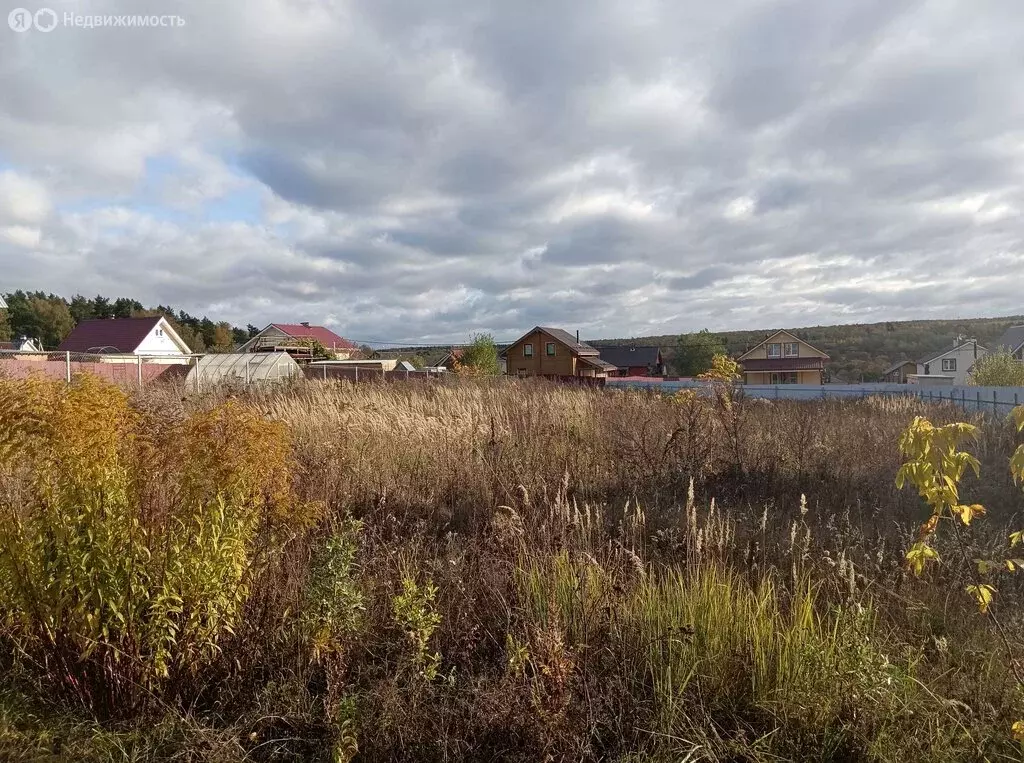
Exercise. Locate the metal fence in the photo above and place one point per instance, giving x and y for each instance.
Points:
(997, 400)
(121, 368)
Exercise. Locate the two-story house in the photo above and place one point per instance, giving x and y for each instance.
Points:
(951, 366)
(551, 352)
(783, 358)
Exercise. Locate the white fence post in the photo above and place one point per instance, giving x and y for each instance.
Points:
(138, 369)
(67, 366)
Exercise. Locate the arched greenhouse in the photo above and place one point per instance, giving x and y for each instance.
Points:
(241, 368)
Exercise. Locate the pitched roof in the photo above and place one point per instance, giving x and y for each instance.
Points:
(323, 335)
(109, 334)
(938, 354)
(563, 336)
(598, 363)
(787, 333)
(898, 366)
(1012, 338)
(626, 356)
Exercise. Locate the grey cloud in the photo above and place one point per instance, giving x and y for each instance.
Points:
(442, 168)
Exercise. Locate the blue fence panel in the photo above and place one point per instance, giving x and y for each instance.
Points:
(999, 400)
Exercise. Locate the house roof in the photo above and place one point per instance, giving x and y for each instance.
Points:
(109, 334)
(625, 356)
(783, 364)
(598, 363)
(1012, 338)
(790, 334)
(453, 355)
(898, 366)
(936, 355)
(323, 335)
(563, 336)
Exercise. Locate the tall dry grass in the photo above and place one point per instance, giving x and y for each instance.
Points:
(519, 571)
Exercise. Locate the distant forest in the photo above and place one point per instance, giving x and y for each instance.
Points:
(49, 318)
(858, 351)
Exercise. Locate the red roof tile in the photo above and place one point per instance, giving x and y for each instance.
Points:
(109, 335)
(323, 335)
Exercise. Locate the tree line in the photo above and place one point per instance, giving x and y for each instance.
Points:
(49, 318)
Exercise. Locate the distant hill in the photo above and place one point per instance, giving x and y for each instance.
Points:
(859, 351)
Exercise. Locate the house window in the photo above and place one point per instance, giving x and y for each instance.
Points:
(791, 349)
(528, 350)
(775, 350)
(949, 364)
(927, 369)
(787, 377)
(159, 332)
(549, 349)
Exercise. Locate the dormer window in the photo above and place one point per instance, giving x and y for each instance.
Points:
(775, 350)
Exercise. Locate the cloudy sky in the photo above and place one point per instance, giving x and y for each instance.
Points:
(417, 170)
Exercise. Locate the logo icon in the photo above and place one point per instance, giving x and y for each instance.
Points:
(20, 20)
(45, 19)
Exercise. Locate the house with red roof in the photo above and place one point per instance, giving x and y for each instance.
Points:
(286, 337)
(121, 339)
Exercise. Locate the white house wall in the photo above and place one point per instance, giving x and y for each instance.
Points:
(964, 355)
(159, 342)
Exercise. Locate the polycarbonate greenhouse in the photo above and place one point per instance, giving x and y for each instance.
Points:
(241, 368)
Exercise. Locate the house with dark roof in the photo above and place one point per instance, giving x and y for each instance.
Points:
(287, 337)
(631, 360)
(949, 367)
(554, 353)
(122, 339)
(783, 358)
(1012, 341)
(898, 373)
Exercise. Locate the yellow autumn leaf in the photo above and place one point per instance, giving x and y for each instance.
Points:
(1018, 731)
(983, 595)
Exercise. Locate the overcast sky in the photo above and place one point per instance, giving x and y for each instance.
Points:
(421, 169)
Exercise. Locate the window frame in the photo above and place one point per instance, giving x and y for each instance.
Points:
(949, 365)
(796, 349)
(528, 349)
(549, 349)
(777, 354)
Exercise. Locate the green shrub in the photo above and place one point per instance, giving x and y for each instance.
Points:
(127, 551)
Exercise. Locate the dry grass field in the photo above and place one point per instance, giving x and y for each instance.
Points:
(486, 571)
